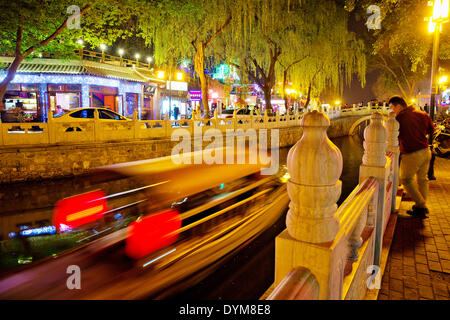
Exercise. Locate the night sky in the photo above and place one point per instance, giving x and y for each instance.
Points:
(355, 93)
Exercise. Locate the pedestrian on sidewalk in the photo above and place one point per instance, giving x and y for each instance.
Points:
(415, 125)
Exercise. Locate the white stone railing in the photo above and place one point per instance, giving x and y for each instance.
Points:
(337, 245)
(96, 130)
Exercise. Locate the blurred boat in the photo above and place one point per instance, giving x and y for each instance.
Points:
(178, 221)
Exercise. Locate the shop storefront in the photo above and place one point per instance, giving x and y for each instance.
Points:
(48, 84)
(22, 96)
(195, 101)
(131, 104)
(216, 97)
(105, 97)
(63, 97)
(147, 107)
(174, 100)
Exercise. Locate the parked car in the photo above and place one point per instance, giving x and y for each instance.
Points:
(82, 114)
(228, 113)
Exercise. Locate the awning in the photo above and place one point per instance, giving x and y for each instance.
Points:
(114, 74)
(80, 67)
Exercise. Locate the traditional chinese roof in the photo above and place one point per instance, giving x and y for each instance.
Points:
(84, 67)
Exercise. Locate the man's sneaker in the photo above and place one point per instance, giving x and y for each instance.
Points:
(418, 212)
(432, 178)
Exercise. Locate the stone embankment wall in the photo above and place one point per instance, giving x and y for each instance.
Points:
(21, 163)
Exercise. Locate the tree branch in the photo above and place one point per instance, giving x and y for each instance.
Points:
(218, 31)
(56, 33)
(254, 77)
(19, 39)
(385, 66)
(403, 73)
(294, 63)
(258, 68)
(193, 44)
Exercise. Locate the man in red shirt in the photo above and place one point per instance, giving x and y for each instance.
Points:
(415, 125)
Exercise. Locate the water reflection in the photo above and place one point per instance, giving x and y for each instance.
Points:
(26, 231)
(352, 152)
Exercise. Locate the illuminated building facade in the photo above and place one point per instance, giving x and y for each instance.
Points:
(41, 85)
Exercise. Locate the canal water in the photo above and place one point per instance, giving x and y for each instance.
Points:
(40, 197)
(248, 273)
(16, 199)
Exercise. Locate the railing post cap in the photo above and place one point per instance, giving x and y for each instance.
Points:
(375, 131)
(315, 119)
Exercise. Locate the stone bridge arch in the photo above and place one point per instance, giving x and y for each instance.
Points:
(359, 122)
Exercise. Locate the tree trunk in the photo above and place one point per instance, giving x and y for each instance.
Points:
(267, 97)
(284, 90)
(9, 77)
(199, 66)
(308, 99)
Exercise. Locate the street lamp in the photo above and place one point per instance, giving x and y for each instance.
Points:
(103, 48)
(149, 60)
(137, 56)
(121, 51)
(160, 75)
(179, 76)
(440, 16)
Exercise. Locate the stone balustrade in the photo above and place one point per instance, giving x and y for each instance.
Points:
(335, 245)
(96, 130)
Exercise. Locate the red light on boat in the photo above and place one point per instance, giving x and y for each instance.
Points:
(150, 233)
(79, 210)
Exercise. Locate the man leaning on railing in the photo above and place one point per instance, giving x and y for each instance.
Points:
(415, 125)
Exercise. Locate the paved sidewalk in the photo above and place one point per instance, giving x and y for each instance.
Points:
(418, 266)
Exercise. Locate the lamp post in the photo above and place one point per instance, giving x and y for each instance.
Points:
(103, 48)
(440, 16)
(81, 43)
(121, 56)
(137, 59)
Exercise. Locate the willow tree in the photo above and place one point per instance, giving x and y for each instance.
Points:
(29, 27)
(185, 29)
(304, 40)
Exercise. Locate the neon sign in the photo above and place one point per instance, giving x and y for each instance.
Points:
(195, 95)
(35, 232)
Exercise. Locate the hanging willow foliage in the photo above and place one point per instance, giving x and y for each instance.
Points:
(261, 37)
(312, 39)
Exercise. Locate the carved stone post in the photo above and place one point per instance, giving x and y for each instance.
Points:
(376, 164)
(315, 165)
(375, 142)
(392, 127)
